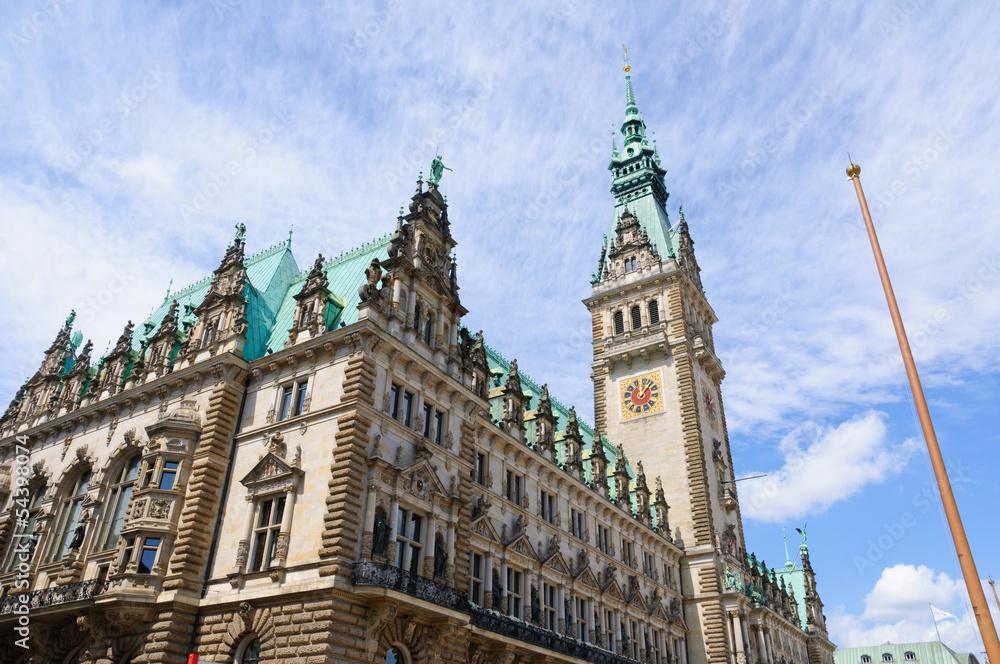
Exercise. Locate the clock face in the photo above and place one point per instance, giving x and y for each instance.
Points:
(708, 403)
(430, 256)
(641, 395)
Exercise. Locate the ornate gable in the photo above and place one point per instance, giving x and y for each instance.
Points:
(587, 578)
(271, 474)
(420, 480)
(484, 528)
(558, 563)
(522, 545)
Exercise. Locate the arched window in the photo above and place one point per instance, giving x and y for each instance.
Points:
(68, 516)
(866, 659)
(887, 657)
(910, 656)
(396, 655)
(633, 263)
(427, 330)
(416, 318)
(21, 548)
(654, 312)
(249, 651)
(619, 323)
(636, 317)
(119, 492)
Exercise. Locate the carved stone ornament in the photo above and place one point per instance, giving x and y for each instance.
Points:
(379, 618)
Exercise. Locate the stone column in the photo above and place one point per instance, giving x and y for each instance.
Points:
(642, 642)
(243, 548)
(398, 306)
(281, 548)
(591, 625)
(561, 609)
(737, 631)
(390, 549)
(450, 567)
(761, 648)
(488, 580)
(503, 586)
(426, 564)
(367, 536)
(411, 301)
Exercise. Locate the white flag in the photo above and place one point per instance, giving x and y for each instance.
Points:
(939, 614)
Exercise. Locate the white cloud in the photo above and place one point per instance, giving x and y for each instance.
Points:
(824, 465)
(897, 610)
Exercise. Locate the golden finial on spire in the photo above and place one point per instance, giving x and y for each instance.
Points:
(626, 68)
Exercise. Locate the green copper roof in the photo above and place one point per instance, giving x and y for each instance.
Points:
(499, 368)
(269, 275)
(795, 580)
(929, 652)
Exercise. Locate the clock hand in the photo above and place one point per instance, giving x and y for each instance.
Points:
(642, 391)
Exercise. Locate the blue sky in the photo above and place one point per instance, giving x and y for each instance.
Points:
(119, 121)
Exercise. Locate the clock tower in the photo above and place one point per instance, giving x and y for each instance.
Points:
(657, 379)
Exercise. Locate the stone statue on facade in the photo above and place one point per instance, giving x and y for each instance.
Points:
(437, 170)
(369, 290)
(381, 535)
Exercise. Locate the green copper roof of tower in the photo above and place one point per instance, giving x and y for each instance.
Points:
(637, 181)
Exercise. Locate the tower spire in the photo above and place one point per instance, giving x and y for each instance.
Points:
(630, 107)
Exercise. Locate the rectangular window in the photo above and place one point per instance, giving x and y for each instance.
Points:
(656, 646)
(408, 408)
(604, 539)
(549, 617)
(514, 484)
(548, 502)
(147, 556)
(300, 397)
(409, 540)
(428, 416)
(582, 606)
(628, 552)
(168, 475)
(609, 630)
(477, 578)
(438, 426)
(285, 406)
(515, 594)
(482, 469)
(394, 401)
(635, 639)
(648, 564)
(265, 535)
(576, 523)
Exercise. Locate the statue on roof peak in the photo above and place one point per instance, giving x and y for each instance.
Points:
(241, 232)
(437, 170)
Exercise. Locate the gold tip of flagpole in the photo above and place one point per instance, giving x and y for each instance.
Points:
(853, 170)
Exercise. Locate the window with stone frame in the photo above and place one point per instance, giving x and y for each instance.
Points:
(21, 547)
(514, 491)
(619, 322)
(547, 504)
(577, 525)
(69, 511)
(515, 593)
(292, 399)
(636, 315)
(477, 577)
(409, 540)
(482, 467)
(119, 492)
(248, 651)
(549, 613)
(656, 635)
(265, 534)
(628, 552)
(582, 607)
(634, 639)
(604, 539)
(610, 630)
(654, 312)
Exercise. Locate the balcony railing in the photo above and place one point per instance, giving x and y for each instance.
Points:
(522, 631)
(39, 599)
(394, 578)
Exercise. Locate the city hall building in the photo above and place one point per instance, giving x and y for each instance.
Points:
(321, 464)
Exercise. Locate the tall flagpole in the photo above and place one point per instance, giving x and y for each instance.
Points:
(934, 618)
(972, 583)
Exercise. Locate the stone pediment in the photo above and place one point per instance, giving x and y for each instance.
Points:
(522, 545)
(587, 578)
(638, 602)
(558, 563)
(614, 590)
(484, 528)
(657, 611)
(420, 480)
(271, 474)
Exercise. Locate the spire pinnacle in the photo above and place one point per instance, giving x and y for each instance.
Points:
(630, 107)
(290, 228)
